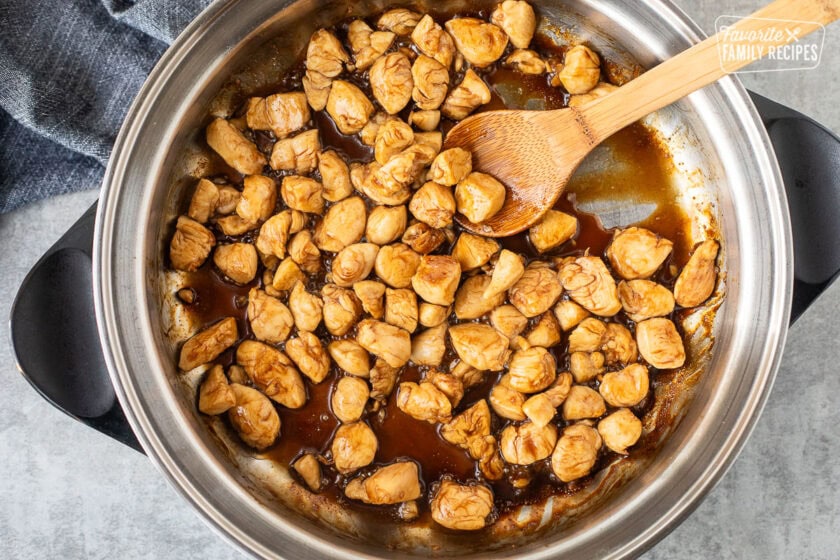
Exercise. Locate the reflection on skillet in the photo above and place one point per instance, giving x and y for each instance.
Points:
(399, 366)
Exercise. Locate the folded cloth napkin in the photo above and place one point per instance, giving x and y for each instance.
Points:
(68, 73)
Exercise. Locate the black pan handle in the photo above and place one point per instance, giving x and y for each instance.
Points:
(809, 157)
(55, 340)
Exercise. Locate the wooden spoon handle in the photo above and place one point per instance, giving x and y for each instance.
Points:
(701, 65)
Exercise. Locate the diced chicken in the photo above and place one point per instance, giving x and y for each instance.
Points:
(553, 230)
(423, 238)
(466, 97)
(303, 194)
(341, 309)
(253, 417)
(206, 345)
(399, 20)
(627, 387)
(308, 354)
(583, 402)
(349, 107)
(638, 253)
(576, 452)
(643, 299)
(350, 357)
(370, 293)
(270, 319)
(696, 282)
(304, 252)
(436, 279)
(215, 395)
(237, 151)
(599, 91)
(569, 314)
(527, 443)
(507, 403)
(508, 270)
(237, 261)
(349, 399)
(526, 61)
(235, 225)
(298, 153)
(586, 366)
(530, 370)
(433, 204)
(393, 137)
(469, 376)
(424, 120)
(433, 41)
(479, 197)
(461, 507)
(479, 345)
(203, 202)
(391, 82)
(590, 285)
(335, 176)
(429, 346)
(447, 384)
(386, 224)
(272, 373)
(371, 129)
(325, 59)
(282, 113)
(392, 484)
(228, 199)
(618, 345)
(451, 166)
(581, 70)
(396, 265)
(288, 274)
(306, 308)
(480, 42)
(343, 224)
(274, 235)
(431, 82)
(354, 446)
(259, 197)
(542, 407)
(367, 45)
(236, 374)
(191, 245)
(309, 469)
(401, 308)
(517, 19)
(470, 302)
(536, 291)
(353, 263)
(383, 378)
(431, 315)
(388, 342)
(508, 320)
(424, 402)
(546, 332)
(588, 336)
(660, 344)
(620, 430)
(474, 251)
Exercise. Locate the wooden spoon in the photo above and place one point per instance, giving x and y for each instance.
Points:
(534, 153)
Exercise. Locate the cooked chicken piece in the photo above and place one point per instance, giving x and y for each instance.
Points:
(367, 44)
(349, 399)
(638, 253)
(589, 283)
(627, 387)
(325, 58)
(388, 342)
(298, 153)
(370, 293)
(236, 374)
(392, 138)
(371, 129)
(401, 309)
(228, 199)
(618, 345)
(576, 452)
(583, 402)
(697, 279)
(392, 484)
(390, 183)
(274, 234)
(469, 376)
(237, 261)
(308, 354)
(187, 296)
(602, 89)
(427, 145)
(461, 507)
(303, 194)
(431, 315)
(466, 97)
(660, 344)
(433, 204)
(480, 42)
(429, 346)
(473, 251)
(191, 245)
(479, 345)
(353, 447)
(343, 224)
(451, 166)
(391, 82)
(306, 308)
(527, 443)
(349, 107)
(399, 20)
(215, 395)
(272, 373)
(408, 511)
(542, 407)
(620, 430)
(304, 252)
(526, 61)
(588, 336)
(508, 320)
(237, 151)
(530, 370)
(424, 120)
(350, 357)
(536, 291)
(383, 378)
(546, 332)
(433, 41)
(288, 274)
(581, 70)
(271, 321)
(569, 314)
(341, 309)
(423, 238)
(518, 20)
(235, 225)
(431, 81)
(282, 113)
(309, 469)
(586, 366)
(436, 279)
(317, 87)
(470, 302)
(447, 384)
(555, 229)
(424, 402)
(335, 176)
(396, 264)
(507, 272)
(353, 263)
(253, 417)
(203, 202)
(507, 403)
(386, 224)
(479, 197)
(643, 299)
(259, 197)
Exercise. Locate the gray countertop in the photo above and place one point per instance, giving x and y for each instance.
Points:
(70, 492)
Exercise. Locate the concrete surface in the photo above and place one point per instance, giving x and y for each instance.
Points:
(70, 492)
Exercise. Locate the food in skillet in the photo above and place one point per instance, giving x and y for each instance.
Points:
(365, 304)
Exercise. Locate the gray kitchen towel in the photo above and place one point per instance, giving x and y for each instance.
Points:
(69, 70)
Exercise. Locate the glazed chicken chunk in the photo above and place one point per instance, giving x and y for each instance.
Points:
(517, 19)
(581, 71)
(353, 263)
(431, 82)
(553, 230)
(349, 399)
(473, 251)
(271, 321)
(383, 378)
(401, 308)
(350, 357)
(583, 402)
(204, 200)
(433, 204)
(237, 151)
(206, 345)
(627, 387)
(530, 370)
(599, 91)
(282, 113)
(253, 417)
(620, 430)
(696, 282)
(306, 308)
(424, 120)
(371, 294)
(576, 452)
(569, 314)
(436, 279)
(470, 430)
(393, 137)
(447, 384)
(272, 373)
(508, 320)
(325, 59)
(215, 395)
(507, 403)
(638, 253)
(228, 199)
(341, 309)
(480, 42)
(308, 354)
(391, 82)
(424, 402)
(391, 484)
(466, 97)
(388, 342)
(480, 346)
(542, 407)
(451, 167)
(237, 261)
(527, 443)
(354, 446)
(349, 107)
(479, 197)
(526, 61)
(470, 302)
(431, 315)
(335, 176)
(386, 224)
(399, 20)
(433, 41)
(536, 291)
(507, 272)
(343, 224)
(423, 238)
(546, 332)
(259, 197)
(304, 252)
(429, 346)
(191, 245)
(586, 366)
(643, 299)
(303, 194)
(274, 235)
(309, 469)
(660, 344)
(367, 45)
(396, 265)
(590, 285)
(298, 153)
(461, 507)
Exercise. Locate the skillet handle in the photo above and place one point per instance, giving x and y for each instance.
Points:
(55, 340)
(809, 158)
